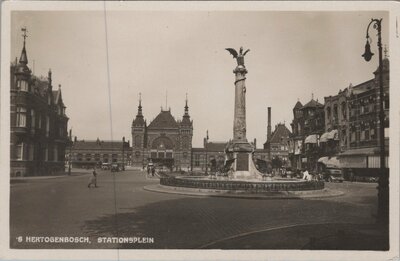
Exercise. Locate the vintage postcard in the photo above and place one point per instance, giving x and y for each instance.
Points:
(199, 130)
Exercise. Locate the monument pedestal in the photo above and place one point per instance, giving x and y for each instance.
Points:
(243, 166)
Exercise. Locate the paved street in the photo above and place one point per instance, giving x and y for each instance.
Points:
(120, 207)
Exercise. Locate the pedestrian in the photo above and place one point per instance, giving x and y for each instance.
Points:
(93, 179)
(153, 171)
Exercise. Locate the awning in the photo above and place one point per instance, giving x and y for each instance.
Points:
(330, 162)
(331, 135)
(311, 139)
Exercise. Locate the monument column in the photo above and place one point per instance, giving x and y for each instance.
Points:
(239, 150)
(239, 122)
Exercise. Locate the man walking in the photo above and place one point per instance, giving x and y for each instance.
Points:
(93, 179)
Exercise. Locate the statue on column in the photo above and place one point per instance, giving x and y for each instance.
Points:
(239, 57)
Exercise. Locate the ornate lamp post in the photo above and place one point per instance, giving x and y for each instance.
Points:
(383, 185)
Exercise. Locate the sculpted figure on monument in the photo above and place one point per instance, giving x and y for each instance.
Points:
(239, 57)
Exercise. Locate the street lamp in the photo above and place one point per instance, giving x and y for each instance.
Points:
(70, 152)
(206, 153)
(383, 185)
(123, 153)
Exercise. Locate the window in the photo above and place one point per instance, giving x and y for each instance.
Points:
(88, 157)
(40, 121)
(47, 126)
(353, 136)
(21, 117)
(31, 151)
(335, 112)
(55, 153)
(344, 113)
(169, 155)
(362, 137)
(197, 160)
(97, 157)
(367, 134)
(79, 155)
(328, 113)
(22, 85)
(19, 151)
(161, 154)
(33, 119)
(153, 155)
(138, 141)
(46, 154)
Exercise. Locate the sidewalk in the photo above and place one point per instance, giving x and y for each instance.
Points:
(74, 173)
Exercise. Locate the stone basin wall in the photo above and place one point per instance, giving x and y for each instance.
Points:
(234, 185)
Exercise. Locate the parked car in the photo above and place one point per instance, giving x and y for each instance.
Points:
(333, 175)
(115, 167)
(105, 166)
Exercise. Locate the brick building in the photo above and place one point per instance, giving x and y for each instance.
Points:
(91, 153)
(164, 141)
(363, 100)
(38, 122)
(307, 127)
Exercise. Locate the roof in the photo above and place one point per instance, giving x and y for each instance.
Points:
(298, 105)
(362, 87)
(280, 131)
(216, 146)
(163, 120)
(313, 103)
(98, 145)
(56, 96)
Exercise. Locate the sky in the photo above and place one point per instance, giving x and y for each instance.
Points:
(165, 54)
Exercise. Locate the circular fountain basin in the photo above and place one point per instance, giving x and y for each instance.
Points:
(250, 186)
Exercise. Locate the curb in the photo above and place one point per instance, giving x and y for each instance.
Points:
(325, 193)
(25, 179)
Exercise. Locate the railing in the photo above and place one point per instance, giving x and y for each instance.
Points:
(255, 187)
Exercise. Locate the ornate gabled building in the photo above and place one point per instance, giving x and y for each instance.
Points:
(38, 134)
(164, 141)
(307, 127)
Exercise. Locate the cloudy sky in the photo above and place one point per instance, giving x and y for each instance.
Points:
(293, 54)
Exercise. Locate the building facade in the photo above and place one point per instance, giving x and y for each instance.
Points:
(38, 122)
(164, 141)
(93, 153)
(350, 136)
(307, 127)
(277, 146)
(363, 150)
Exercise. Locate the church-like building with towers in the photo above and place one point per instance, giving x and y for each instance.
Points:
(165, 140)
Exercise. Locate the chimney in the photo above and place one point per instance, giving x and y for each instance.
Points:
(269, 125)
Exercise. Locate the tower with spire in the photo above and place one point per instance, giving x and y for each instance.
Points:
(38, 135)
(186, 135)
(139, 140)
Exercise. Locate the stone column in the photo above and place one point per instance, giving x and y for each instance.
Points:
(239, 122)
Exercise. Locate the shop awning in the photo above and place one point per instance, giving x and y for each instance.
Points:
(331, 135)
(330, 162)
(311, 139)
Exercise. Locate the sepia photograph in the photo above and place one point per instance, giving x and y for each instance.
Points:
(223, 127)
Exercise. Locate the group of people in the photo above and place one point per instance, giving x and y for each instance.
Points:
(151, 170)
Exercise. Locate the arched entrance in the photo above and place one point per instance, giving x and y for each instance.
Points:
(162, 152)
